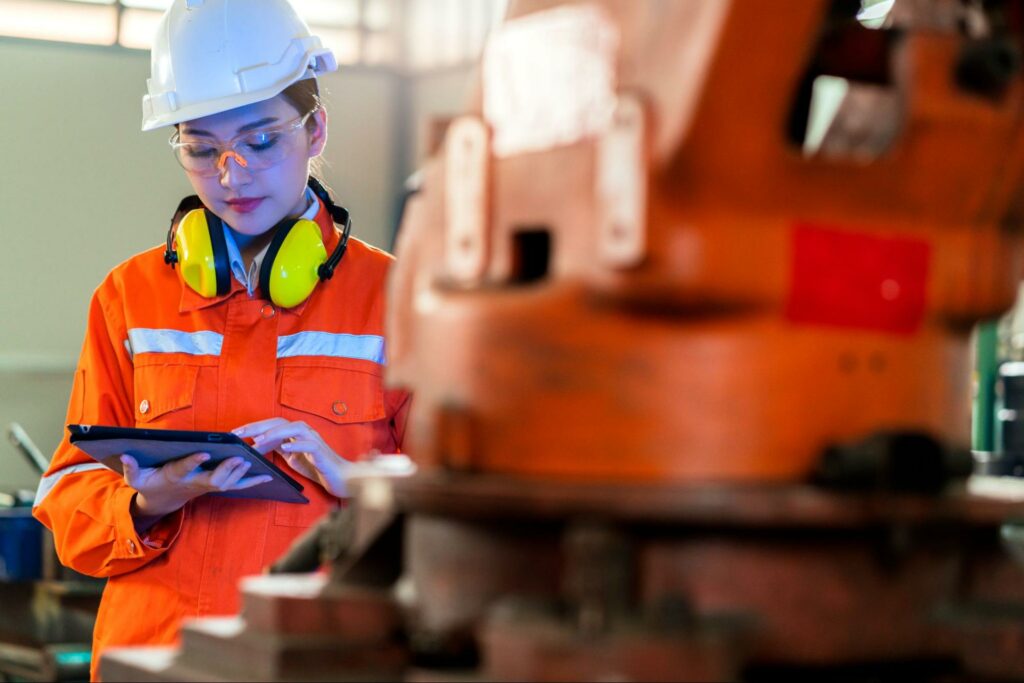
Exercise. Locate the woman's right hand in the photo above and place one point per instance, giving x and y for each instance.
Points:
(162, 490)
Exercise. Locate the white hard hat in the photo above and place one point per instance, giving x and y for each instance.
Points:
(210, 56)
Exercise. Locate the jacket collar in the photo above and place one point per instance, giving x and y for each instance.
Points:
(193, 301)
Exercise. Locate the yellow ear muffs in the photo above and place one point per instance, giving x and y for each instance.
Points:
(296, 258)
(291, 268)
(202, 253)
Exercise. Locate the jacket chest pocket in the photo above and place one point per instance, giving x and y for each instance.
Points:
(331, 397)
(165, 396)
(342, 406)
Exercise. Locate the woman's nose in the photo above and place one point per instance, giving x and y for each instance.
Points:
(233, 168)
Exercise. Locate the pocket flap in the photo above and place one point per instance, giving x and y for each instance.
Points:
(161, 389)
(335, 394)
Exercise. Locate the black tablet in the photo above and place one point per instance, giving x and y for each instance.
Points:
(154, 447)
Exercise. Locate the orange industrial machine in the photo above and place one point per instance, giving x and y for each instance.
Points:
(631, 267)
(685, 303)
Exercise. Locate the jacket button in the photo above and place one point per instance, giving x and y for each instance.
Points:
(144, 406)
(339, 408)
(131, 546)
(268, 311)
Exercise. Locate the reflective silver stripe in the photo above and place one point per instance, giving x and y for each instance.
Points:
(46, 484)
(362, 346)
(144, 340)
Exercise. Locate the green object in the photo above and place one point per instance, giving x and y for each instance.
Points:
(986, 368)
(80, 657)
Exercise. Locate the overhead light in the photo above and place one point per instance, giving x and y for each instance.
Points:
(138, 27)
(91, 23)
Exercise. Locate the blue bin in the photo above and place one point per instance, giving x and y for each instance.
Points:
(21, 545)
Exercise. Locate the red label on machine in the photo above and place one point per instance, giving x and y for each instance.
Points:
(856, 280)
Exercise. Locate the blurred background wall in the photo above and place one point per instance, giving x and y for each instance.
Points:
(82, 188)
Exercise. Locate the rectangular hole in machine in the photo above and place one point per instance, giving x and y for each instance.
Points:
(531, 255)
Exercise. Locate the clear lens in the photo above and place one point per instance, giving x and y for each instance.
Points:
(260, 149)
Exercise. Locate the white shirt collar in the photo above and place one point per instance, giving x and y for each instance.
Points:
(251, 279)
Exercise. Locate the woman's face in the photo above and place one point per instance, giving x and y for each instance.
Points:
(253, 201)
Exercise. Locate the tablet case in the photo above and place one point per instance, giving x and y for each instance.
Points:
(153, 447)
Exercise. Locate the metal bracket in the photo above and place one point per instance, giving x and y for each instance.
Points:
(467, 200)
(622, 186)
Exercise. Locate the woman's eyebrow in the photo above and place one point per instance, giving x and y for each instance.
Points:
(257, 124)
(244, 129)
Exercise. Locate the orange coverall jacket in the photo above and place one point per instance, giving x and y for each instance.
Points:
(158, 355)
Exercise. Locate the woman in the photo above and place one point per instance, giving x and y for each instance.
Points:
(212, 333)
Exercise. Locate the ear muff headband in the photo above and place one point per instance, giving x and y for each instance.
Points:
(290, 270)
(184, 206)
(202, 253)
(220, 253)
(340, 216)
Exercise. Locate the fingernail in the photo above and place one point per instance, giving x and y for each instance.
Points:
(257, 438)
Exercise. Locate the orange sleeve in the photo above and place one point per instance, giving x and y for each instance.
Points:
(86, 505)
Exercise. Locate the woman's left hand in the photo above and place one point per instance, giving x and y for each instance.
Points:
(303, 449)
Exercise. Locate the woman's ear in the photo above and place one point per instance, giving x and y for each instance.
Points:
(318, 133)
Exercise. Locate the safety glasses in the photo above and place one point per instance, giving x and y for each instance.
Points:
(255, 150)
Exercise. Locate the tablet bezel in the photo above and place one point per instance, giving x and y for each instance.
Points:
(95, 433)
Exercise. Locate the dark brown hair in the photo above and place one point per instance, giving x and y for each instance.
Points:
(304, 95)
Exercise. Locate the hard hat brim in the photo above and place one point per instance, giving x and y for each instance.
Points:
(325, 63)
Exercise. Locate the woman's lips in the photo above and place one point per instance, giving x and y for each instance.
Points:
(245, 205)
